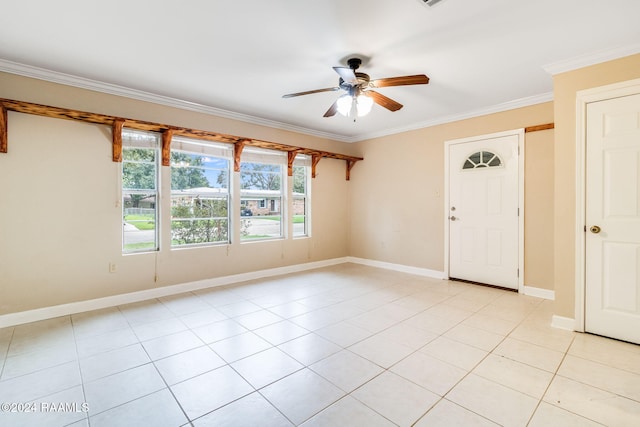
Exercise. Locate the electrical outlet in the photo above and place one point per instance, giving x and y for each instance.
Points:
(112, 267)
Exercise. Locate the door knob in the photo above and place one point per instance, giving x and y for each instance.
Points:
(595, 229)
(452, 218)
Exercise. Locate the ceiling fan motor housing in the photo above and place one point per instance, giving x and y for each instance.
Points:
(354, 63)
(429, 3)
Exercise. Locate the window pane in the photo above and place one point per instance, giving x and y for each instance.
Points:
(482, 159)
(147, 155)
(299, 180)
(139, 222)
(475, 158)
(195, 231)
(260, 176)
(199, 199)
(139, 191)
(261, 200)
(138, 172)
(300, 200)
(299, 217)
(189, 171)
(261, 223)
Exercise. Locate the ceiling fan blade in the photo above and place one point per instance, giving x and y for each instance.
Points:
(384, 101)
(419, 79)
(309, 92)
(347, 74)
(332, 110)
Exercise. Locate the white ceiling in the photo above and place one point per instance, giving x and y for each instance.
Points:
(239, 57)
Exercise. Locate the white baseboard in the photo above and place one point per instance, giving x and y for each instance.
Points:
(563, 323)
(539, 293)
(28, 316)
(398, 267)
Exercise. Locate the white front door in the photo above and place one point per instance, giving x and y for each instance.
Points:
(483, 210)
(612, 252)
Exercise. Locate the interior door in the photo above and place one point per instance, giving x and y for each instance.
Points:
(483, 211)
(612, 252)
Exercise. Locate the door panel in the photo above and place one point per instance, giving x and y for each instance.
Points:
(612, 252)
(483, 197)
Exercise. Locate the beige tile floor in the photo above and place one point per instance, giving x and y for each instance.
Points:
(347, 345)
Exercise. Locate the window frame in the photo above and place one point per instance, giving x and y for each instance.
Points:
(304, 162)
(143, 142)
(272, 158)
(206, 150)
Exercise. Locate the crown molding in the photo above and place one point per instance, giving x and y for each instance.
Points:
(511, 105)
(112, 89)
(591, 58)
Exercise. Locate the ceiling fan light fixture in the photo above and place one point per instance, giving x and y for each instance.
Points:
(354, 106)
(345, 104)
(364, 104)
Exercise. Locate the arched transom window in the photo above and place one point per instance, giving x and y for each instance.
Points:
(482, 159)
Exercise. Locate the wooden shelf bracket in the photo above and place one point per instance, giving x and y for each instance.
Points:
(167, 135)
(237, 153)
(315, 159)
(291, 156)
(117, 140)
(4, 130)
(350, 164)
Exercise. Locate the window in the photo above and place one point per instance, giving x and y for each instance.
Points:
(262, 193)
(139, 191)
(199, 193)
(300, 214)
(482, 159)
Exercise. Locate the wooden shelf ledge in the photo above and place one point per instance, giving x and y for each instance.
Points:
(167, 131)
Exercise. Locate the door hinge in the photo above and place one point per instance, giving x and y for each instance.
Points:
(518, 272)
(518, 211)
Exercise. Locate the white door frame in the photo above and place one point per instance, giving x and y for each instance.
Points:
(583, 98)
(520, 134)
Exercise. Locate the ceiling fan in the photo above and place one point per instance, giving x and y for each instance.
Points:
(360, 95)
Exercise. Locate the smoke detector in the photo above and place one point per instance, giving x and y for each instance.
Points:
(430, 3)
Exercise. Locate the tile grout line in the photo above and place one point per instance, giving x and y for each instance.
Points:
(82, 382)
(388, 370)
(470, 371)
(6, 353)
(555, 373)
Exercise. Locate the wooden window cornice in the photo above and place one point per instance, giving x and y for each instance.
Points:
(168, 131)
